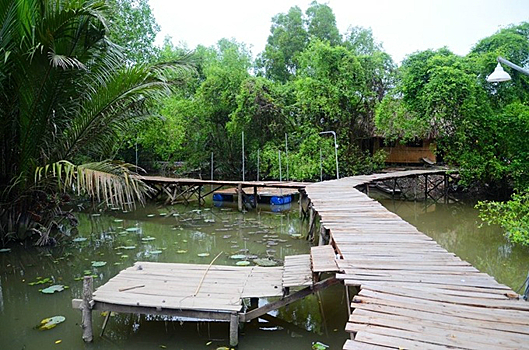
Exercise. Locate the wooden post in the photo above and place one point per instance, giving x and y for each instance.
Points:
(255, 196)
(86, 308)
(234, 330)
(426, 187)
(446, 187)
(367, 189)
(323, 234)
(239, 197)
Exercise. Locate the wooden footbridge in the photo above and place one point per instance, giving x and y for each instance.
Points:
(411, 293)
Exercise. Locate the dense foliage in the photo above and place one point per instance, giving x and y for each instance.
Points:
(66, 95)
(308, 79)
(480, 127)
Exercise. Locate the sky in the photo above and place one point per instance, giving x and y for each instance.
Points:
(402, 26)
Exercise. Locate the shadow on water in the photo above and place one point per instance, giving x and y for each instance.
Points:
(165, 234)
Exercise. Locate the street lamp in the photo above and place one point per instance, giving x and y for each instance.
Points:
(500, 75)
(335, 150)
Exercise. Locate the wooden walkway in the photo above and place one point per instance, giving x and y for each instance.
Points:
(413, 293)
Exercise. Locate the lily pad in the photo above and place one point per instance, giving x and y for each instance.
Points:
(40, 281)
(79, 239)
(155, 252)
(124, 256)
(148, 238)
(181, 251)
(203, 255)
(128, 247)
(5, 250)
(132, 229)
(242, 263)
(53, 289)
(118, 220)
(151, 215)
(265, 262)
(238, 257)
(98, 263)
(50, 322)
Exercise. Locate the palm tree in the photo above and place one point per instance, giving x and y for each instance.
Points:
(64, 91)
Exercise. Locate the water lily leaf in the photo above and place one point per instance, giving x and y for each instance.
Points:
(203, 255)
(156, 252)
(124, 256)
(53, 289)
(319, 346)
(5, 250)
(242, 263)
(238, 257)
(96, 215)
(40, 281)
(79, 239)
(265, 262)
(118, 220)
(98, 263)
(50, 322)
(151, 215)
(181, 251)
(132, 229)
(128, 247)
(148, 238)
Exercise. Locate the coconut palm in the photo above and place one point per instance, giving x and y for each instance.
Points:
(65, 91)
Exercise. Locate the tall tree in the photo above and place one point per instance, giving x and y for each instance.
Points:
(288, 38)
(134, 28)
(321, 23)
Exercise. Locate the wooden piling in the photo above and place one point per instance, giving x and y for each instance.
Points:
(239, 197)
(255, 196)
(234, 330)
(86, 308)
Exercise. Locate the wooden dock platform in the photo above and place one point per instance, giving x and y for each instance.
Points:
(202, 292)
(413, 293)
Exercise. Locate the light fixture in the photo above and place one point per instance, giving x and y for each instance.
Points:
(498, 75)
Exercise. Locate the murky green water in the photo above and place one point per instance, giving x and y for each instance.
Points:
(179, 234)
(165, 234)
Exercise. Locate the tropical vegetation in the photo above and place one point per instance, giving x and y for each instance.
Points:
(85, 93)
(67, 95)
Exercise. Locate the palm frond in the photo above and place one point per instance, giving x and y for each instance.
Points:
(111, 182)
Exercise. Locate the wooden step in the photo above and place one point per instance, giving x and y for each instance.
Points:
(323, 259)
(296, 271)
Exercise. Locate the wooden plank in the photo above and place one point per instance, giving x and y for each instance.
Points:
(323, 259)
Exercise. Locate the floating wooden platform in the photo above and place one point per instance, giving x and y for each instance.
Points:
(205, 292)
(413, 293)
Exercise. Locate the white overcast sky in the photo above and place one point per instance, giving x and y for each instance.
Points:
(403, 26)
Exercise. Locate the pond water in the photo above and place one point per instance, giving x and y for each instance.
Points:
(181, 234)
(166, 234)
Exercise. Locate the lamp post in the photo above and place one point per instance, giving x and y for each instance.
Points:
(335, 150)
(500, 75)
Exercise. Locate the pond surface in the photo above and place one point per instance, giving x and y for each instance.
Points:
(180, 234)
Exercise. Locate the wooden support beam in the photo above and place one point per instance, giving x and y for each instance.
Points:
(288, 300)
(239, 197)
(86, 308)
(254, 204)
(105, 323)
